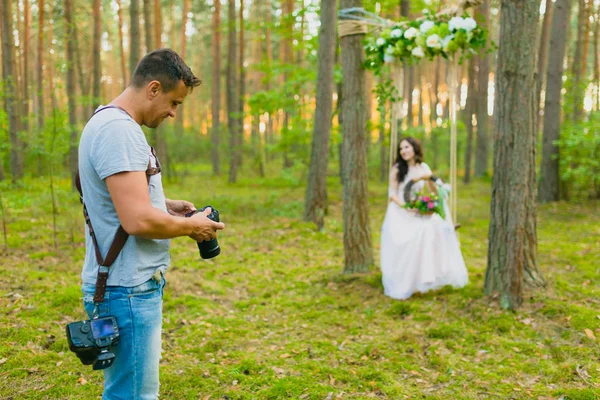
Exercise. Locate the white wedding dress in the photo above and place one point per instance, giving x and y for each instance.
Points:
(418, 252)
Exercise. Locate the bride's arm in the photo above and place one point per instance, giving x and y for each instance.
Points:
(393, 186)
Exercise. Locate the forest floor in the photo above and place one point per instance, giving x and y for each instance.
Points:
(273, 317)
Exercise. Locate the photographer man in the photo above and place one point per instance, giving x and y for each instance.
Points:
(121, 185)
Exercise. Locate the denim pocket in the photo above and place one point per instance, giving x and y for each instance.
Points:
(147, 290)
(103, 308)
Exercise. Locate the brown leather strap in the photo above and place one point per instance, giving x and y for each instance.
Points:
(120, 236)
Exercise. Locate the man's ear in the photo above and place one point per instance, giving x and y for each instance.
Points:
(153, 89)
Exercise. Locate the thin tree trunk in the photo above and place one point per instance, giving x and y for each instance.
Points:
(148, 25)
(287, 60)
(542, 59)
(40, 67)
(9, 77)
(576, 67)
(596, 64)
(586, 37)
(69, 23)
(121, 46)
(25, 96)
(469, 111)
(157, 25)
(316, 191)
(179, 121)
(97, 67)
(483, 76)
(240, 139)
(232, 92)
(512, 251)
(216, 87)
(269, 76)
(549, 169)
(134, 30)
(357, 235)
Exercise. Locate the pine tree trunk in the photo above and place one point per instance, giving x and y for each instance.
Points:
(40, 67)
(316, 191)
(483, 76)
(179, 120)
(157, 25)
(549, 169)
(286, 59)
(97, 67)
(10, 100)
(512, 251)
(242, 98)
(134, 30)
(216, 88)
(121, 46)
(576, 66)
(542, 60)
(268, 79)
(469, 111)
(25, 96)
(232, 92)
(596, 63)
(148, 25)
(357, 235)
(69, 22)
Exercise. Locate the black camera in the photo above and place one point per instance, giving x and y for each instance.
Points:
(91, 341)
(208, 248)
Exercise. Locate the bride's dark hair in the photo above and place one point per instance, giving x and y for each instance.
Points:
(402, 164)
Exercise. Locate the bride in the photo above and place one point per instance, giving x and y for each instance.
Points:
(418, 252)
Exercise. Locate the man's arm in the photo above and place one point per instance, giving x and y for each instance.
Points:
(129, 193)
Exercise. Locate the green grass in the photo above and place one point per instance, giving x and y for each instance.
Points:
(273, 317)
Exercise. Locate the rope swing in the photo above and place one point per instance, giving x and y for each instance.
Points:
(355, 21)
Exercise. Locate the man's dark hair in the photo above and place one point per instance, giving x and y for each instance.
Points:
(165, 66)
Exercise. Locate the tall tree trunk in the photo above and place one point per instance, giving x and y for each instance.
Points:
(542, 60)
(40, 67)
(357, 234)
(134, 29)
(157, 25)
(469, 111)
(577, 65)
(316, 191)
(25, 97)
(69, 23)
(512, 251)
(287, 60)
(549, 170)
(183, 50)
(148, 25)
(269, 76)
(586, 37)
(383, 149)
(232, 92)
(241, 103)
(216, 87)
(10, 100)
(121, 46)
(483, 76)
(596, 63)
(97, 67)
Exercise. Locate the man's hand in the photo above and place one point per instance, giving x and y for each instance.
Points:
(179, 208)
(204, 228)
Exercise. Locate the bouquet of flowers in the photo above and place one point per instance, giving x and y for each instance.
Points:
(427, 203)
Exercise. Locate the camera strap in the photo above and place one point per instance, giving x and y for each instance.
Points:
(120, 236)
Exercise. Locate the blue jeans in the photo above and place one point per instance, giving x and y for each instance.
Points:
(138, 309)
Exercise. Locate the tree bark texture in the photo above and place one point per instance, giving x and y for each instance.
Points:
(216, 88)
(357, 234)
(97, 67)
(512, 249)
(232, 92)
(316, 191)
(483, 76)
(148, 25)
(134, 30)
(549, 169)
(69, 23)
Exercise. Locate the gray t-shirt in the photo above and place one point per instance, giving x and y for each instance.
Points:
(113, 142)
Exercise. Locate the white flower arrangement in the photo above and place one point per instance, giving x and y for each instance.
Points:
(435, 35)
